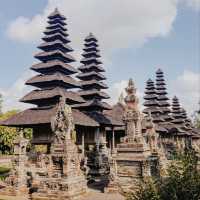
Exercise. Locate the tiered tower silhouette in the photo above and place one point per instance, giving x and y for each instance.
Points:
(178, 117)
(162, 98)
(55, 70)
(151, 102)
(91, 78)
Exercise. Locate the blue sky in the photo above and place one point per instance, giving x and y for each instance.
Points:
(134, 43)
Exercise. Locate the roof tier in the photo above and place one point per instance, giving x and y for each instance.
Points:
(91, 67)
(46, 96)
(55, 45)
(92, 105)
(93, 84)
(53, 80)
(91, 76)
(56, 26)
(56, 30)
(56, 36)
(54, 55)
(43, 115)
(91, 94)
(54, 66)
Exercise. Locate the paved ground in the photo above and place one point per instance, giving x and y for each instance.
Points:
(102, 196)
(89, 196)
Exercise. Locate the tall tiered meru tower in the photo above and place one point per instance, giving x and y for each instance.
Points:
(91, 77)
(54, 79)
(162, 98)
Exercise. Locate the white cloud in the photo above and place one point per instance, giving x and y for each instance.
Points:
(116, 23)
(12, 95)
(187, 88)
(115, 91)
(118, 88)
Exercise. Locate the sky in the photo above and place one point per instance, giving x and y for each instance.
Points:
(136, 38)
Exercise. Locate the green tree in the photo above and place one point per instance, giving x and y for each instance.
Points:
(182, 182)
(147, 190)
(8, 134)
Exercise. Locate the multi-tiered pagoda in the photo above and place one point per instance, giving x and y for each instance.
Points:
(53, 82)
(91, 77)
(55, 70)
(178, 116)
(151, 102)
(162, 98)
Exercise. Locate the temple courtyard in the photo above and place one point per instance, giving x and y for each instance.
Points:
(80, 146)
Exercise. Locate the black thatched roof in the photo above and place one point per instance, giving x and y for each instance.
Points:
(91, 105)
(52, 55)
(39, 80)
(93, 93)
(38, 116)
(53, 66)
(37, 95)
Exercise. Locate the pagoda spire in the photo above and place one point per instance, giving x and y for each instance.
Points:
(162, 98)
(55, 70)
(91, 77)
(177, 112)
(187, 121)
(151, 102)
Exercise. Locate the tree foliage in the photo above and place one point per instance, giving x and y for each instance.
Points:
(8, 135)
(182, 183)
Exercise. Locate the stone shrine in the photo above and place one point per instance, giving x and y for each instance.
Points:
(133, 153)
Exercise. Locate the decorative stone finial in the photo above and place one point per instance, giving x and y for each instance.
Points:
(131, 99)
(121, 98)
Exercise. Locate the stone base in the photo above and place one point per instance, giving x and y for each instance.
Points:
(112, 187)
(62, 189)
(15, 192)
(132, 165)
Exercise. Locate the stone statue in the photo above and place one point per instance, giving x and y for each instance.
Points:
(62, 124)
(150, 132)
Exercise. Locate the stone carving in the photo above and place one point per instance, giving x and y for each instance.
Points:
(132, 114)
(133, 153)
(62, 124)
(150, 134)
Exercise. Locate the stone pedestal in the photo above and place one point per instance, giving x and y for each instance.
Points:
(132, 165)
(66, 180)
(16, 183)
(133, 154)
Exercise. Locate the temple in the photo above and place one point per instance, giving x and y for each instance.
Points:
(86, 139)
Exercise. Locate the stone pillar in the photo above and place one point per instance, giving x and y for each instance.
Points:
(97, 138)
(83, 144)
(113, 140)
(19, 171)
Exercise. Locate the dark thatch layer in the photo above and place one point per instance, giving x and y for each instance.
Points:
(38, 116)
(51, 93)
(54, 64)
(53, 77)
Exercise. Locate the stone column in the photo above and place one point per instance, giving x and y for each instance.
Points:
(83, 144)
(97, 138)
(113, 140)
